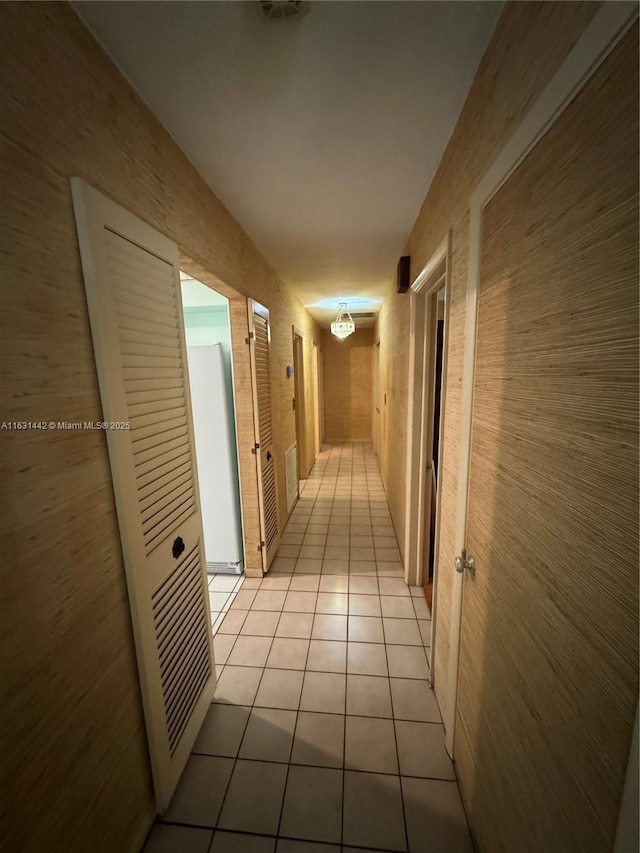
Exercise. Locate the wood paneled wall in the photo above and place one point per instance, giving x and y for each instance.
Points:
(530, 41)
(75, 762)
(347, 386)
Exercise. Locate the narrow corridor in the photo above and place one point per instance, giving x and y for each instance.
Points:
(324, 734)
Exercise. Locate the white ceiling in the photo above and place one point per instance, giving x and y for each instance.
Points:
(320, 134)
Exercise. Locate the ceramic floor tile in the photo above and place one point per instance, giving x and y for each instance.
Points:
(254, 798)
(327, 656)
(280, 688)
(260, 623)
(238, 685)
(363, 584)
(313, 804)
(287, 653)
(323, 692)
(243, 599)
(333, 583)
(366, 629)
(407, 662)
(288, 551)
(394, 586)
(388, 555)
(269, 735)
(305, 583)
(167, 838)
(223, 583)
(200, 792)
(370, 744)
(373, 814)
(364, 605)
(368, 695)
(232, 622)
(332, 602)
(296, 625)
(414, 700)
(300, 602)
(397, 606)
(250, 651)
(421, 750)
(425, 631)
(362, 567)
(275, 583)
(240, 842)
(217, 600)
(222, 730)
(283, 564)
(366, 659)
(288, 845)
(309, 566)
(335, 567)
(421, 609)
(435, 817)
(222, 645)
(311, 552)
(329, 626)
(319, 739)
(315, 539)
(401, 632)
(269, 599)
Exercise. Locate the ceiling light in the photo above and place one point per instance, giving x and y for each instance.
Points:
(343, 326)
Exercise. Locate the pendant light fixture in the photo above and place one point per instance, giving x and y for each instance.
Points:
(343, 325)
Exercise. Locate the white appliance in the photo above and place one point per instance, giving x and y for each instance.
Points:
(217, 456)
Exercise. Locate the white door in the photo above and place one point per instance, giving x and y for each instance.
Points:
(260, 339)
(135, 309)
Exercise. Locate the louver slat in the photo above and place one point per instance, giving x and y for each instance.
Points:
(143, 286)
(183, 654)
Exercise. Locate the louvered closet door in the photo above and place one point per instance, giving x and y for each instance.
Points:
(259, 324)
(132, 284)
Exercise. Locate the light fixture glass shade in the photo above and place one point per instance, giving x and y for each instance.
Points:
(343, 326)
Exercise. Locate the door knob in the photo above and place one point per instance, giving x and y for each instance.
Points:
(463, 562)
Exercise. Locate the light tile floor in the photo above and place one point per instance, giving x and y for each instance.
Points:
(324, 734)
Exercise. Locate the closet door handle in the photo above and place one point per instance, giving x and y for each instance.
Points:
(269, 457)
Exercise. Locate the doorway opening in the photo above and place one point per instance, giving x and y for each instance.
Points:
(436, 345)
(207, 326)
(316, 368)
(299, 407)
(428, 312)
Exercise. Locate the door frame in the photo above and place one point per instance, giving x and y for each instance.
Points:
(300, 412)
(433, 277)
(255, 307)
(599, 38)
(375, 383)
(315, 378)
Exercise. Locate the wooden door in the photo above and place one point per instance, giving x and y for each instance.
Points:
(135, 308)
(265, 450)
(376, 398)
(548, 672)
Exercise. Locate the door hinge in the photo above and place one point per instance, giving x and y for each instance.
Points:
(255, 448)
(250, 338)
(293, 401)
(261, 546)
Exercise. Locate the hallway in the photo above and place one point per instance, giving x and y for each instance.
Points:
(324, 733)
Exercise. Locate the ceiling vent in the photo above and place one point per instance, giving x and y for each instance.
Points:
(274, 10)
(363, 315)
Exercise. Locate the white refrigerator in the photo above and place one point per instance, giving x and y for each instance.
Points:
(216, 452)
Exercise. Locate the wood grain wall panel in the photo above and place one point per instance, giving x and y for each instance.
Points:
(347, 386)
(529, 43)
(77, 760)
(548, 683)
